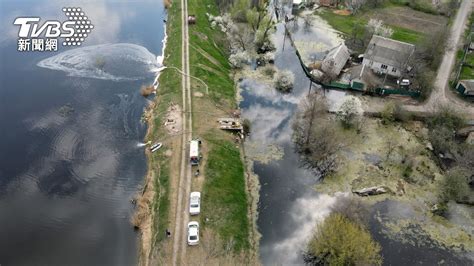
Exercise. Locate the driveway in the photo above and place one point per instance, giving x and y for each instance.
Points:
(441, 94)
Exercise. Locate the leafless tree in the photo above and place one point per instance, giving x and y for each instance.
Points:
(352, 208)
(316, 137)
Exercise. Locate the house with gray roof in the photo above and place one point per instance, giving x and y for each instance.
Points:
(335, 60)
(466, 87)
(387, 56)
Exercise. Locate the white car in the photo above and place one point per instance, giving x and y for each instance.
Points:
(193, 233)
(195, 203)
(404, 82)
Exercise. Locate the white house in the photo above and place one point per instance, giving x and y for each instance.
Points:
(387, 56)
(335, 60)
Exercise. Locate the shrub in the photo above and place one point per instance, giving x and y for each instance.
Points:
(388, 113)
(350, 111)
(269, 71)
(455, 185)
(340, 241)
(246, 125)
(284, 81)
(146, 90)
(239, 59)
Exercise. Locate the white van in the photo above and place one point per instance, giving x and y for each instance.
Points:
(194, 152)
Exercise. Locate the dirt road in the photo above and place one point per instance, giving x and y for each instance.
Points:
(184, 187)
(442, 95)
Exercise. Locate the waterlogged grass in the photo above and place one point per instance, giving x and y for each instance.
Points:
(208, 55)
(346, 25)
(224, 196)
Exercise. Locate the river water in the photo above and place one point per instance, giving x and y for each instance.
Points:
(289, 207)
(70, 153)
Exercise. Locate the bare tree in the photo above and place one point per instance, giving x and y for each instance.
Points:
(316, 138)
(352, 208)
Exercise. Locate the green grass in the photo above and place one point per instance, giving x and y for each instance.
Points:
(346, 25)
(466, 73)
(212, 41)
(162, 206)
(469, 59)
(169, 90)
(224, 200)
(224, 194)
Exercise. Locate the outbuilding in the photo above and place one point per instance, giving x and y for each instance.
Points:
(335, 60)
(466, 87)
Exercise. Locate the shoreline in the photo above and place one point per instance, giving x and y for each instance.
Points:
(147, 196)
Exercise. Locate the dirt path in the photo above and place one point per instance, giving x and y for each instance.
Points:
(184, 187)
(441, 94)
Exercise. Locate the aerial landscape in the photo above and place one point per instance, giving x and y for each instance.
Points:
(237, 132)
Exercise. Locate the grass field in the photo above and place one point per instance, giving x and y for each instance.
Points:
(224, 195)
(405, 25)
(346, 24)
(208, 55)
(224, 200)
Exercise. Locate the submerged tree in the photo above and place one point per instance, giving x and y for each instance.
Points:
(317, 139)
(340, 241)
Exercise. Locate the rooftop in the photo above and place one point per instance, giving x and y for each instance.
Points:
(469, 86)
(388, 51)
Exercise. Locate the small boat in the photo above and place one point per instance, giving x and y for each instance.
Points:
(156, 146)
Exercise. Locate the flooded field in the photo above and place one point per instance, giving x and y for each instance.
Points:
(289, 205)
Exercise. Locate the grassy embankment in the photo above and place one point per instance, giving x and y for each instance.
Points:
(169, 91)
(346, 25)
(224, 202)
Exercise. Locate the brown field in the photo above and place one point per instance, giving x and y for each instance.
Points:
(408, 18)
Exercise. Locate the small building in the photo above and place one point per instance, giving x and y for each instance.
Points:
(466, 87)
(335, 60)
(471, 46)
(387, 56)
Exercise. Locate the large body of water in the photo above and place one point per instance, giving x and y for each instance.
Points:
(289, 207)
(69, 155)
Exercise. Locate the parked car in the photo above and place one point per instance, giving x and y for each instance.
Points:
(195, 203)
(403, 82)
(193, 233)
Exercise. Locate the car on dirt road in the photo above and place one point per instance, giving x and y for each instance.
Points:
(195, 203)
(193, 233)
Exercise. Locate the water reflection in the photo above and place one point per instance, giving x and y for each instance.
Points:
(289, 207)
(69, 161)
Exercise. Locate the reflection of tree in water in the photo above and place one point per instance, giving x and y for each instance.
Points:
(100, 63)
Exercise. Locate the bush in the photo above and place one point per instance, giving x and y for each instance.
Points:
(388, 113)
(350, 111)
(284, 81)
(269, 71)
(246, 125)
(339, 241)
(455, 185)
(239, 59)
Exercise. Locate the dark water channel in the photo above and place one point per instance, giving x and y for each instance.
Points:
(70, 159)
(289, 207)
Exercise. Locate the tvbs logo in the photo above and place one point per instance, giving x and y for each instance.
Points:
(34, 36)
